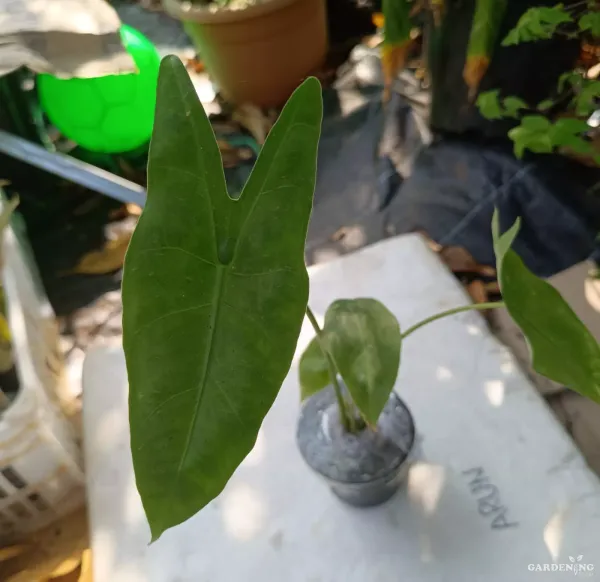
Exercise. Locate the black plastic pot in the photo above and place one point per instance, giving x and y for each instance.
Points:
(362, 469)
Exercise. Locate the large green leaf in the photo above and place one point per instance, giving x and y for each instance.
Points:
(363, 337)
(561, 346)
(214, 294)
(313, 370)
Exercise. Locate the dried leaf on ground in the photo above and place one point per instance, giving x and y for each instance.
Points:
(106, 260)
(129, 209)
(232, 156)
(52, 551)
(377, 19)
(195, 64)
(460, 260)
(11, 552)
(477, 292)
(254, 120)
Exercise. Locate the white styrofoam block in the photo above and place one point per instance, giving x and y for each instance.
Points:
(498, 485)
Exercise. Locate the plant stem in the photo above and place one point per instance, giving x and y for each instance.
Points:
(474, 306)
(347, 419)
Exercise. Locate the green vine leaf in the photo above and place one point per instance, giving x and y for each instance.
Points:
(513, 105)
(533, 133)
(489, 106)
(572, 79)
(566, 132)
(363, 338)
(590, 21)
(545, 105)
(212, 309)
(561, 346)
(537, 24)
(586, 96)
(539, 135)
(313, 371)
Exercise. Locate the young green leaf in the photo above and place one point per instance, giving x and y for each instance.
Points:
(212, 308)
(513, 105)
(313, 371)
(572, 79)
(533, 133)
(586, 96)
(489, 106)
(545, 105)
(363, 337)
(567, 132)
(537, 23)
(561, 346)
(590, 21)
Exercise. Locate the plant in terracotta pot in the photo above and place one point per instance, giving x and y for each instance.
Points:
(215, 291)
(257, 51)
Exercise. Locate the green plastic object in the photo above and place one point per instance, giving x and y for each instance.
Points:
(111, 114)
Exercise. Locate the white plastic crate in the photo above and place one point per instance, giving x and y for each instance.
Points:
(41, 475)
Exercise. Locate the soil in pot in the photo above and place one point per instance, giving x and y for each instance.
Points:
(362, 469)
(260, 52)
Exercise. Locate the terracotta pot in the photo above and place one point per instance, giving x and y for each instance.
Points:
(258, 54)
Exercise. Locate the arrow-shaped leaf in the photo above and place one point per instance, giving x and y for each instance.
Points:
(363, 337)
(561, 346)
(214, 293)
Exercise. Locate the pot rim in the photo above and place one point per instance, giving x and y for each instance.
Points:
(407, 459)
(186, 11)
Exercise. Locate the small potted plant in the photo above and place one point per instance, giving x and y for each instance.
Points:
(215, 291)
(257, 51)
(357, 433)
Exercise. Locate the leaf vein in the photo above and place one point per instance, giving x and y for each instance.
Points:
(181, 249)
(168, 314)
(264, 273)
(164, 403)
(231, 407)
(171, 168)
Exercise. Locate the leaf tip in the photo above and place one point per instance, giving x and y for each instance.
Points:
(495, 224)
(171, 61)
(155, 533)
(311, 88)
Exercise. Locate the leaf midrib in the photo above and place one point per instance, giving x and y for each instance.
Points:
(216, 302)
(222, 269)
